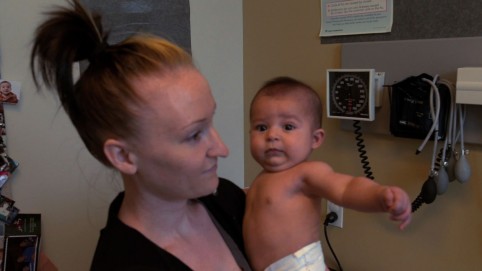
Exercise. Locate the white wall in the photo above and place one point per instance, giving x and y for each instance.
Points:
(57, 177)
(217, 47)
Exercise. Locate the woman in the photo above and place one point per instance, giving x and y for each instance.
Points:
(142, 108)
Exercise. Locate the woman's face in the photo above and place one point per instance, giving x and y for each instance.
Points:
(179, 147)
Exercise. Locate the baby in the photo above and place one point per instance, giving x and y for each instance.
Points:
(283, 214)
(6, 94)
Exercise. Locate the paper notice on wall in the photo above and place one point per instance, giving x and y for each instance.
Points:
(352, 17)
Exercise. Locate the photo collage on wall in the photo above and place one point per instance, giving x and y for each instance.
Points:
(9, 94)
(21, 243)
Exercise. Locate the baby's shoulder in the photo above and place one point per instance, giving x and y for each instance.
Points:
(313, 166)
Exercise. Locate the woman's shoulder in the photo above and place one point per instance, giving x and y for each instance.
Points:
(228, 186)
(227, 195)
(227, 206)
(227, 203)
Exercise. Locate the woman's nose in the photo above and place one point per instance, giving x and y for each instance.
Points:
(219, 149)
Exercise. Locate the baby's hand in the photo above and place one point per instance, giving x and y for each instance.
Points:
(397, 203)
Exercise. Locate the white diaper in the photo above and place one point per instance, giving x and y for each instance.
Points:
(308, 258)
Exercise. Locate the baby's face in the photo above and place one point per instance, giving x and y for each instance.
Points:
(5, 87)
(281, 133)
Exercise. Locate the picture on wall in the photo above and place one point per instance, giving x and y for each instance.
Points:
(9, 91)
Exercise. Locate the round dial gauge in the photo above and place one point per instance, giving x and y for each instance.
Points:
(349, 94)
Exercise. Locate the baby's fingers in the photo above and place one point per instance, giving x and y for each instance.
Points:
(403, 217)
(399, 206)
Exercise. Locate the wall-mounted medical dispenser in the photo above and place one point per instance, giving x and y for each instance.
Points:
(469, 85)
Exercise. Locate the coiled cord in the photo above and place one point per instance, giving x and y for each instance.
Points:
(442, 157)
(361, 150)
(427, 195)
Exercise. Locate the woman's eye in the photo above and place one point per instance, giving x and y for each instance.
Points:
(196, 136)
(289, 127)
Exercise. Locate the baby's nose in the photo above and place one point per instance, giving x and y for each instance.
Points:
(272, 134)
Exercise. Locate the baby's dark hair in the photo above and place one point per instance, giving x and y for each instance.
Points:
(103, 103)
(284, 85)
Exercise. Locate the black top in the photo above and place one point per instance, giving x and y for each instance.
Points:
(123, 248)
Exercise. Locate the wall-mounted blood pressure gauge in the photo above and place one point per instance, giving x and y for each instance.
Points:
(351, 94)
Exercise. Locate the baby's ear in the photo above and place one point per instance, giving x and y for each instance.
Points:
(120, 156)
(317, 138)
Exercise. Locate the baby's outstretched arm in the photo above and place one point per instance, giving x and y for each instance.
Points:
(397, 204)
(357, 193)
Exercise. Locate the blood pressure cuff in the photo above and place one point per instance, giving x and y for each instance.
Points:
(410, 108)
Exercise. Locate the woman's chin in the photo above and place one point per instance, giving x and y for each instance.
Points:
(210, 185)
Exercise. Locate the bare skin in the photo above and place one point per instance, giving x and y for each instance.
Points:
(293, 202)
(283, 203)
(269, 204)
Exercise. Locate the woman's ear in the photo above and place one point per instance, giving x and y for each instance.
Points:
(318, 138)
(120, 156)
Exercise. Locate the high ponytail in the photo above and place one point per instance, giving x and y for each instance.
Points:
(70, 35)
(103, 103)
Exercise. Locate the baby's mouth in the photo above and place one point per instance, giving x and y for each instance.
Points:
(273, 152)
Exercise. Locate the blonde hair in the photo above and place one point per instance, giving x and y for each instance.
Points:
(103, 102)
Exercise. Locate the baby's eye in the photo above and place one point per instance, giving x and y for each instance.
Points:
(289, 127)
(261, 128)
